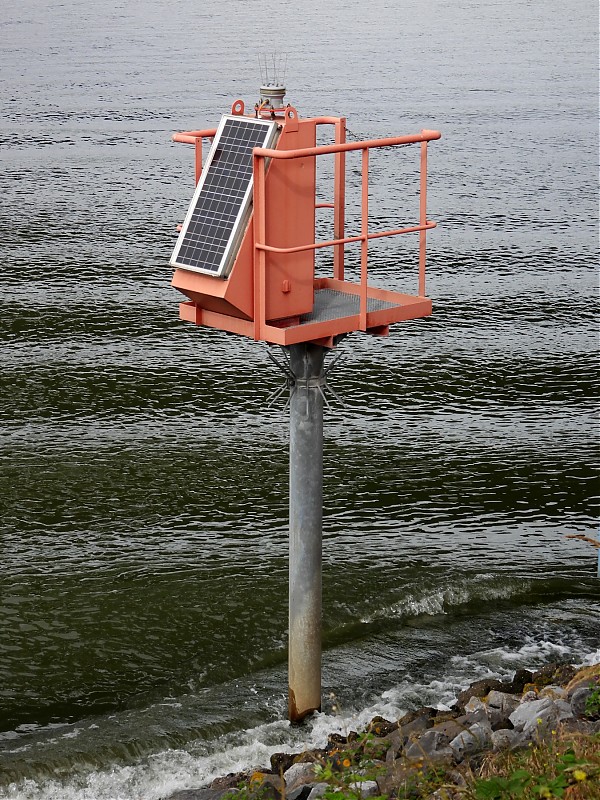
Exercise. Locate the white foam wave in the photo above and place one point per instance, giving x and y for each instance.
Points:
(436, 601)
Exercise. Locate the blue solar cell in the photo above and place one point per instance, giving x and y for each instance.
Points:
(217, 215)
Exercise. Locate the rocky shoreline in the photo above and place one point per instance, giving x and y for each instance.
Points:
(488, 717)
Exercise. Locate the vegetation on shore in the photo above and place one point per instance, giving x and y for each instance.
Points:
(567, 766)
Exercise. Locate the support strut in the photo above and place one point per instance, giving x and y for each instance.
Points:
(306, 522)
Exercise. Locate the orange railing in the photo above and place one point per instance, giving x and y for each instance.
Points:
(195, 138)
(339, 149)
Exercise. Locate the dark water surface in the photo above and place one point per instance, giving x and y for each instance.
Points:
(143, 480)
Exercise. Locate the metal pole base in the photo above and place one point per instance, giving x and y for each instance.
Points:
(306, 518)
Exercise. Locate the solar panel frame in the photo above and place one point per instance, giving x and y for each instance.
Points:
(220, 208)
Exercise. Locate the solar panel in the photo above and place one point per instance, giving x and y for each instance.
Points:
(216, 219)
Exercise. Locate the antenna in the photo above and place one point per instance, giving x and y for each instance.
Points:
(273, 69)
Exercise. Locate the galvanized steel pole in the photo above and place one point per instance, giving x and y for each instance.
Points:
(306, 519)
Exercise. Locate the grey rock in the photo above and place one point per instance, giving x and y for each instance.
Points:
(505, 739)
(450, 728)
(478, 737)
(578, 701)
(299, 775)
(366, 788)
(396, 745)
(480, 689)
(426, 745)
(480, 714)
(553, 692)
(318, 790)
(564, 710)
(300, 792)
(445, 755)
(528, 713)
(457, 778)
(406, 732)
(580, 726)
(538, 717)
(529, 696)
(474, 704)
(502, 703)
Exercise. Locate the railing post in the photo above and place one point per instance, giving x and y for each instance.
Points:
(364, 246)
(260, 256)
(339, 200)
(422, 218)
(198, 154)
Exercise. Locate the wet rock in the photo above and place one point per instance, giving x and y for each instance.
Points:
(480, 689)
(520, 678)
(478, 737)
(553, 674)
(382, 727)
(280, 762)
(316, 755)
(425, 712)
(335, 741)
(230, 781)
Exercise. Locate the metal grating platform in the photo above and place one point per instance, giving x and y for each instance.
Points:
(331, 304)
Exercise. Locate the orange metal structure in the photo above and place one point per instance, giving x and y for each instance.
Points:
(271, 293)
